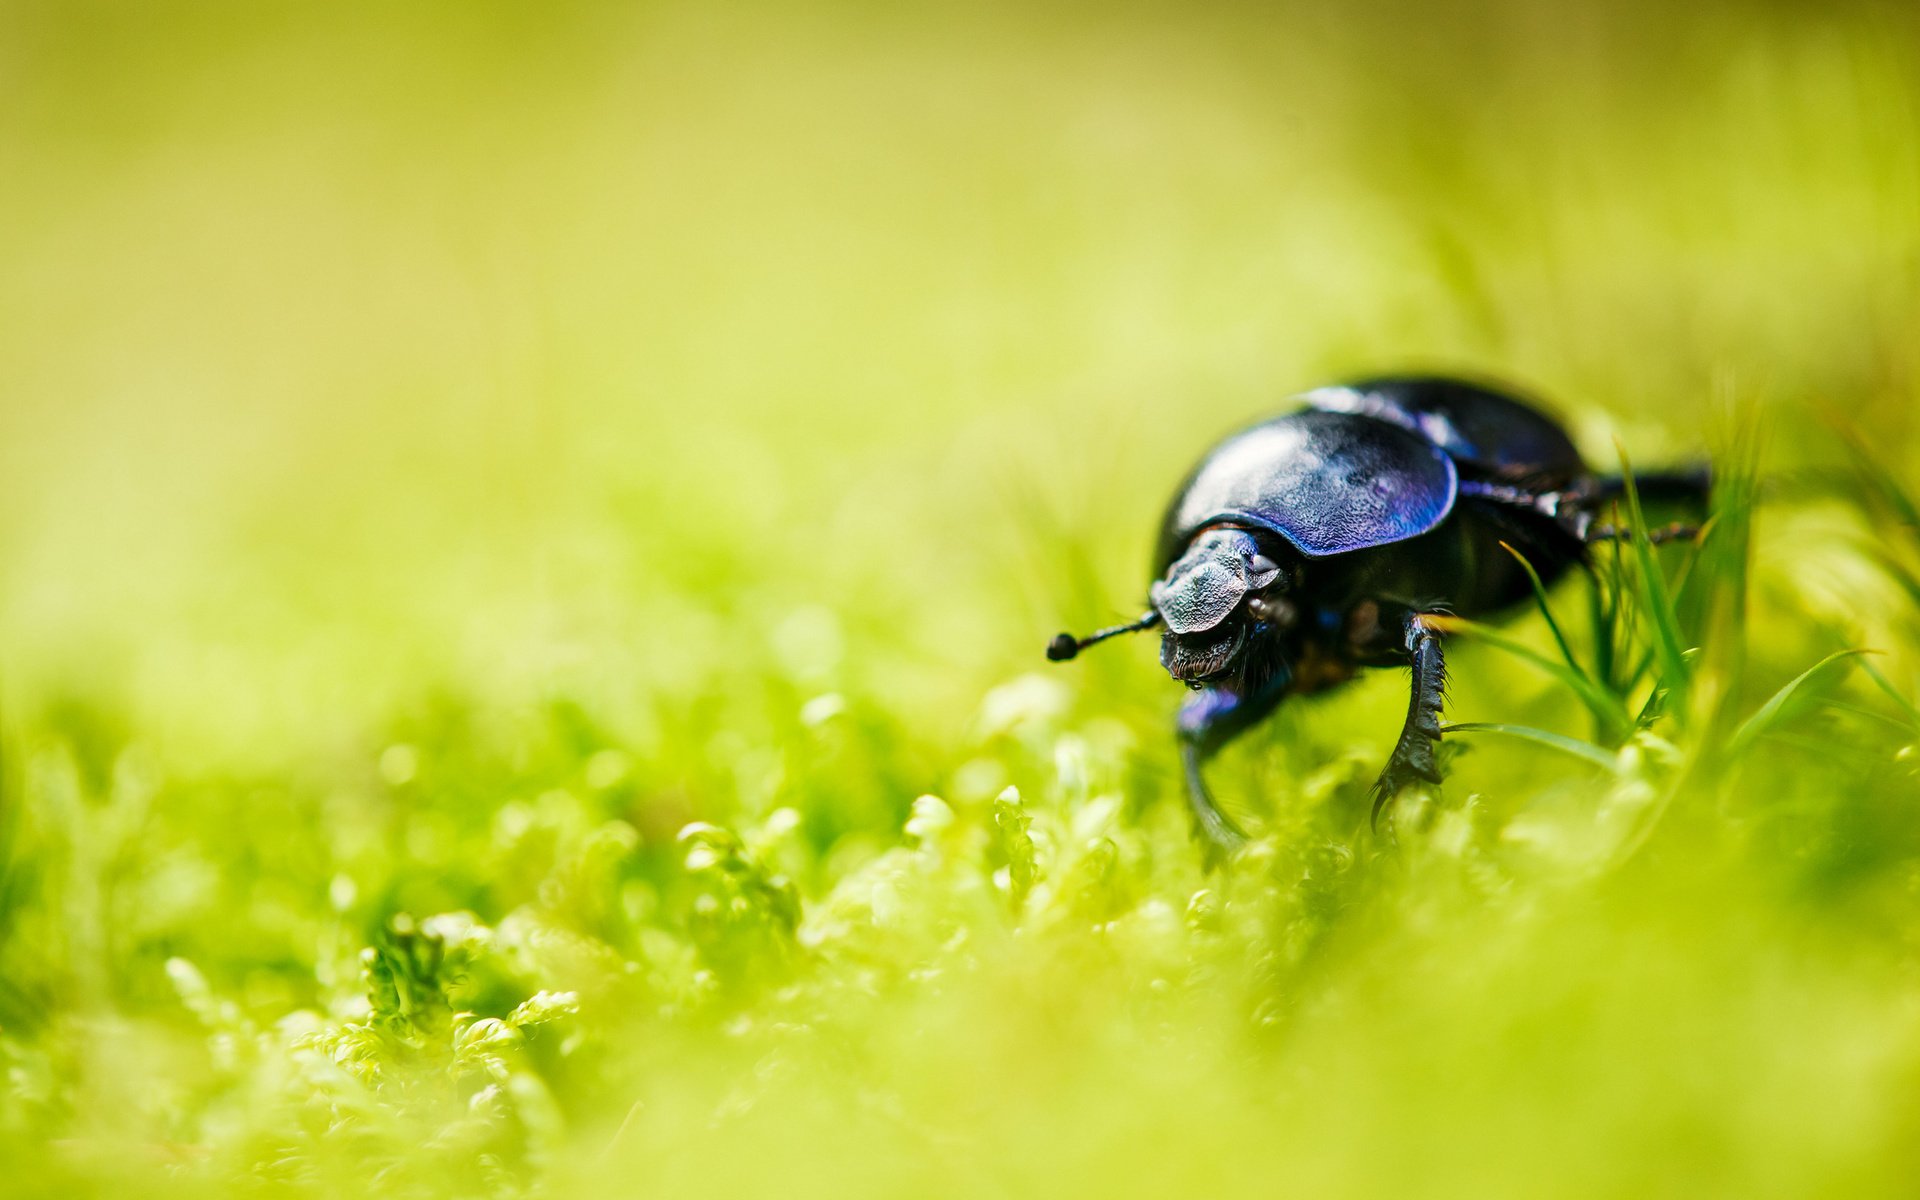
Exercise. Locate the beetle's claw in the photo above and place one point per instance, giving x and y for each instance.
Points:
(1220, 839)
(1403, 773)
(1399, 775)
(1213, 855)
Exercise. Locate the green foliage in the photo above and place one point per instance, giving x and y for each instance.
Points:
(528, 534)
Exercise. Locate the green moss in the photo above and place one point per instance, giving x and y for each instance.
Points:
(528, 539)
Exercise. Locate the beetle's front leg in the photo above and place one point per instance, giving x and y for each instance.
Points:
(1208, 720)
(1414, 756)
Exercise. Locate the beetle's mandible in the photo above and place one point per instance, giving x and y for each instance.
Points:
(1335, 537)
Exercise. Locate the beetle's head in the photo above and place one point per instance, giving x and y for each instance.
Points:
(1212, 600)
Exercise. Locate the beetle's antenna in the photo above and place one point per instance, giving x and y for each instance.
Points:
(1064, 647)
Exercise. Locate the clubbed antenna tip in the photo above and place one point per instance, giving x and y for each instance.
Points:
(1066, 646)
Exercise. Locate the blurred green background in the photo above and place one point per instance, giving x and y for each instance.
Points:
(446, 449)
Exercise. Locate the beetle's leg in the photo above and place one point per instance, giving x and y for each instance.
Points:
(1413, 756)
(1571, 509)
(1682, 485)
(1575, 507)
(1578, 507)
(1677, 532)
(1208, 720)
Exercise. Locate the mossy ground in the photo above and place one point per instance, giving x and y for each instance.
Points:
(528, 533)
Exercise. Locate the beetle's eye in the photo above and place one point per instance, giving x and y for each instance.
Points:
(1260, 564)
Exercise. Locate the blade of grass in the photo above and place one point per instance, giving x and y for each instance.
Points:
(1609, 730)
(1604, 705)
(1546, 612)
(1689, 566)
(1867, 714)
(1892, 494)
(1769, 714)
(1886, 685)
(1902, 574)
(1653, 590)
(1638, 672)
(1652, 710)
(1600, 612)
(1596, 755)
(1611, 588)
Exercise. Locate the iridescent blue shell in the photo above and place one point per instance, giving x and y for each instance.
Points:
(1327, 482)
(1486, 431)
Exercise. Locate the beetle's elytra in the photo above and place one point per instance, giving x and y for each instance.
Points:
(1324, 540)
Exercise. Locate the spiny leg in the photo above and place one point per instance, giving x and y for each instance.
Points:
(1415, 754)
(1208, 720)
(1677, 532)
(1221, 834)
(1685, 486)
(1682, 485)
(1576, 508)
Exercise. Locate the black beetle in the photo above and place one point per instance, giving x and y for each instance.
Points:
(1340, 536)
